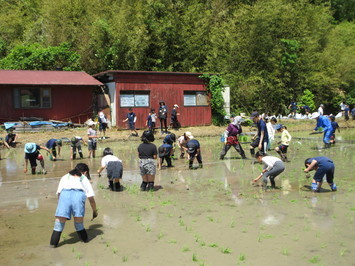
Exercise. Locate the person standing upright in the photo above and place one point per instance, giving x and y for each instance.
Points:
(163, 114)
(261, 138)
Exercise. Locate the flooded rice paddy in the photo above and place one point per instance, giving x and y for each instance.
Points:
(209, 216)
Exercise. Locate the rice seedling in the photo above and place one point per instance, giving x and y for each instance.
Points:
(285, 251)
(161, 235)
(225, 250)
(87, 264)
(342, 252)
(114, 250)
(242, 257)
(185, 249)
(213, 245)
(124, 259)
(314, 260)
(147, 228)
(181, 222)
(78, 255)
(194, 257)
(210, 219)
(172, 241)
(107, 244)
(232, 224)
(138, 218)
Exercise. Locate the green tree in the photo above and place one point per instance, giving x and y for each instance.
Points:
(37, 57)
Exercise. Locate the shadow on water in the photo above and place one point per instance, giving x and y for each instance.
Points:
(93, 231)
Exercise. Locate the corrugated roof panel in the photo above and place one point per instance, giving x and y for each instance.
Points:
(42, 77)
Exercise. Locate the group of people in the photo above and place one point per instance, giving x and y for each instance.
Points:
(152, 117)
(75, 186)
(273, 166)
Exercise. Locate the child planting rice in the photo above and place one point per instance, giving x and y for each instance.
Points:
(273, 166)
(323, 166)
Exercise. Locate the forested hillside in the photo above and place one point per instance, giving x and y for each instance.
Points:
(267, 51)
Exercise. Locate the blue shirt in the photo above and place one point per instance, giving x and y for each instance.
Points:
(324, 123)
(168, 140)
(334, 126)
(323, 162)
(51, 144)
(261, 125)
(131, 117)
(193, 144)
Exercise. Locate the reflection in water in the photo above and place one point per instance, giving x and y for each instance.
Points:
(32, 204)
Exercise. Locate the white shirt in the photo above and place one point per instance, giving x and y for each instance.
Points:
(270, 130)
(74, 182)
(342, 106)
(182, 141)
(320, 110)
(153, 117)
(269, 161)
(109, 158)
(91, 132)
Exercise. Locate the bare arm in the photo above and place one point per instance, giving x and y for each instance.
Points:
(311, 166)
(26, 164)
(93, 206)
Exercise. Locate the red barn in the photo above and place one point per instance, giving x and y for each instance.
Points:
(50, 95)
(143, 90)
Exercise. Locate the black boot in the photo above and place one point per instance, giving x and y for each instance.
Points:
(81, 155)
(116, 186)
(55, 239)
(74, 156)
(144, 186)
(150, 186)
(200, 165)
(83, 235)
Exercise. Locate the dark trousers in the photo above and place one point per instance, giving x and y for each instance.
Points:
(192, 157)
(163, 120)
(237, 147)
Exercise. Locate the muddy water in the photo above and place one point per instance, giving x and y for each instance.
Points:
(209, 216)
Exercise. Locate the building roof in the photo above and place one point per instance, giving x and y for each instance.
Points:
(144, 72)
(46, 77)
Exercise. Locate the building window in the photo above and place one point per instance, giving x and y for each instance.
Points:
(32, 98)
(134, 99)
(195, 98)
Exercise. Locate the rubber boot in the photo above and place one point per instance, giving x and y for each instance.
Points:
(83, 235)
(116, 186)
(55, 238)
(74, 156)
(182, 155)
(144, 186)
(81, 155)
(200, 165)
(286, 160)
(110, 182)
(33, 170)
(150, 186)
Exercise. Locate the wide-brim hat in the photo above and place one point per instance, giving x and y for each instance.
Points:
(191, 150)
(315, 115)
(189, 135)
(30, 147)
(175, 105)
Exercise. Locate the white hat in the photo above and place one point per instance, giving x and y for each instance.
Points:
(315, 115)
(91, 123)
(189, 135)
(175, 105)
